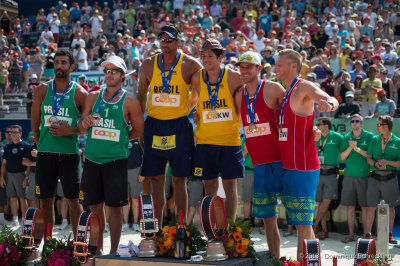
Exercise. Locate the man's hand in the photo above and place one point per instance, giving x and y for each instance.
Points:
(381, 164)
(2, 182)
(87, 122)
(353, 144)
(324, 106)
(141, 178)
(196, 118)
(25, 183)
(34, 153)
(63, 129)
(317, 133)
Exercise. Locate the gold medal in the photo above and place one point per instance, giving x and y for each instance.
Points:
(96, 118)
(53, 120)
(213, 114)
(164, 97)
(252, 128)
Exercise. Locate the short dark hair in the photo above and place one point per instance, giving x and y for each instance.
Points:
(66, 53)
(326, 121)
(217, 52)
(16, 126)
(387, 119)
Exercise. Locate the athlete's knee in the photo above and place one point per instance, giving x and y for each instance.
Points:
(179, 181)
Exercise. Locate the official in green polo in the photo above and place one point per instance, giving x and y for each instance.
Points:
(384, 158)
(356, 173)
(329, 148)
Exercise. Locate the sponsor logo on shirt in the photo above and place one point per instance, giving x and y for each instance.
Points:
(198, 171)
(393, 147)
(60, 118)
(223, 115)
(173, 101)
(164, 142)
(105, 134)
(262, 130)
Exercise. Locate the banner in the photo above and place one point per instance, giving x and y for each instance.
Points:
(343, 126)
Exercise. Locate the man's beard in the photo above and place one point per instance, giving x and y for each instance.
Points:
(61, 73)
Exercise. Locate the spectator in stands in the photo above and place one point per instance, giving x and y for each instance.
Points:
(81, 57)
(3, 82)
(93, 85)
(343, 84)
(369, 89)
(26, 33)
(82, 81)
(117, 13)
(15, 71)
(96, 22)
(49, 72)
(385, 106)
(46, 34)
(357, 71)
(75, 13)
(387, 83)
(348, 108)
(64, 18)
(55, 26)
(26, 59)
(328, 85)
(37, 61)
(5, 22)
(78, 40)
(120, 24)
(389, 58)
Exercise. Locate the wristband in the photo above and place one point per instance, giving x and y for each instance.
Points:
(358, 150)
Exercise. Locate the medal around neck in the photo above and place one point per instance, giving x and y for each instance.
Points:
(164, 97)
(53, 120)
(96, 118)
(213, 114)
(252, 128)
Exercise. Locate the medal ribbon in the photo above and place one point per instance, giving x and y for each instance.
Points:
(168, 80)
(100, 107)
(250, 110)
(384, 145)
(294, 84)
(213, 99)
(57, 105)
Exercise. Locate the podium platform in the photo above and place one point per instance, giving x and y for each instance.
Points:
(160, 261)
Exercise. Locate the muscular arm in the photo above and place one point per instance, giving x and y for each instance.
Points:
(86, 119)
(38, 97)
(27, 162)
(311, 91)
(195, 94)
(144, 82)
(135, 116)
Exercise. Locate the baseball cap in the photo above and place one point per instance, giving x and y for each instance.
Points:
(359, 77)
(33, 76)
(349, 94)
(312, 75)
(249, 57)
(210, 44)
(116, 61)
(372, 68)
(381, 92)
(377, 57)
(93, 80)
(83, 76)
(171, 31)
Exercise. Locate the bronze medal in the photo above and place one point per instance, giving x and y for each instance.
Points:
(252, 128)
(213, 114)
(53, 120)
(164, 97)
(96, 118)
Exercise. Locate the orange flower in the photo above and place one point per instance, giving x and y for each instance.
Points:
(230, 242)
(164, 249)
(239, 248)
(245, 242)
(165, 229)
(172, 232)
(244, 254)
(168, 242)
(237, 236)
(239, 229)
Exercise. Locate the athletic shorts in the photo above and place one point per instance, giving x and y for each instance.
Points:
(247, 187)
(354, 190)
(14, 185)
(168, 140)
(135, 188)
(2, 88)
(195, 189)
(30, 190)
(382, 190)
(105, 183)
(327, 188)
(210, 160)
(53, 166)
(298, 195)
(267, 188)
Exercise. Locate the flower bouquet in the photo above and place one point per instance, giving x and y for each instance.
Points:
(165, 240)
(283, 262)
(12, 251)
(59, 252)
(239, 243)
(375, 261)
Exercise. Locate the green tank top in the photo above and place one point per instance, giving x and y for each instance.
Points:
(108, 140)
(3, 77)
(67, 113)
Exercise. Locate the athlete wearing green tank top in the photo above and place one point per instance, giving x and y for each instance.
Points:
(56, 109)
(111, 118)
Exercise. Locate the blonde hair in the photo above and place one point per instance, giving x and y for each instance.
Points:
(293, 56)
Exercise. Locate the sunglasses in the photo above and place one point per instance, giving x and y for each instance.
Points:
(381, 124)
(247, 58)
(320, 125)
(169, 40)
(112, 70)
(14, 132)
(355, 121)
(383, 73)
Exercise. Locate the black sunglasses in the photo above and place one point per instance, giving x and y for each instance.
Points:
(355, 121)
(112, 70)
(169, 40)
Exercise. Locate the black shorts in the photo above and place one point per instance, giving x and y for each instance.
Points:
(106, 183)
(53, 166)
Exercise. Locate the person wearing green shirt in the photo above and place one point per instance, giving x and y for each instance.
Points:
(111, 118)
(329, 147)
(384, 159)
(167, 5)
(356, 173)
(130, 14)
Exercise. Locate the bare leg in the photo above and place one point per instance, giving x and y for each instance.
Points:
(75, 211)
(157, 191)
(246, 209)
(14, 206)
(115, 220)
(125, 211)
(135, 210)
(211, 186)
(351, 213)
(303, 232)
(191, 214)
(370, 218)
(64, 208)
(230, 187)
(99, 210)
(272, 234)
(33, 204)
(392, 215)
(181, 197)
(322, 210)
(48, 209)
(364, 211)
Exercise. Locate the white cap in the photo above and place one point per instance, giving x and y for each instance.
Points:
(60, 2)
(250, 57)
(349, 94)
(116, 61)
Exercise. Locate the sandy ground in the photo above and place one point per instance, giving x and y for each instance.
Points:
(330, 247)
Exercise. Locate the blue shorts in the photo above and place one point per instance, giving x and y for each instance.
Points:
(168, 140)
(298, 196)
(267, 188)
(210, 160)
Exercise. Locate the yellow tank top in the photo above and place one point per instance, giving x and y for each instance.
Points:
(178, 104)
(224, 130)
